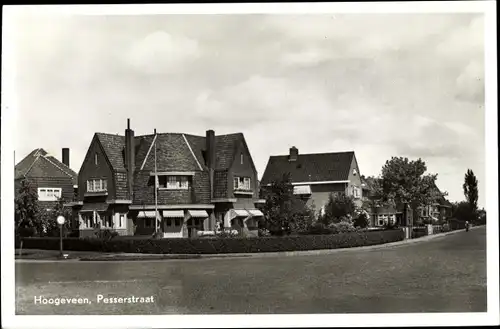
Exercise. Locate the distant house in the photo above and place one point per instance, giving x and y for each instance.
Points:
(438, 210)
(316, 176)
(379, 214)
(52, 178)
(200, 182)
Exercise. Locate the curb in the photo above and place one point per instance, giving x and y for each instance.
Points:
(146, 257)
(154, 257)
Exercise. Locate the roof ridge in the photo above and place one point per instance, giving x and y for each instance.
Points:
(323, 153)
(55, 164)
(31, 166)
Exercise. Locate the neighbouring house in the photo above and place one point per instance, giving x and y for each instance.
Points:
(201, 183)
(439, 210)
(53, 179)
(315, 176)
(379, 214)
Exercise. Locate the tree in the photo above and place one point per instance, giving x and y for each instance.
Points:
(462, 211)
(361, 220)
(284, 211)
(470, 190)
(405, 182)
(338, 206)
(26, 208)
(49, 219)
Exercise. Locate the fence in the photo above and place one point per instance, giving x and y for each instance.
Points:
(420, 231)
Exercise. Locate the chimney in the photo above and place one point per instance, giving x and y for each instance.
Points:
(65, 156)
(210, 158)
(294, 154)
(129, 157)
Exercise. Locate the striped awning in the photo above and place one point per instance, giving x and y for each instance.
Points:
(255, 212)
(146, 214)
(198, 213)
(239, 213)
(173, 213)
(302, 189)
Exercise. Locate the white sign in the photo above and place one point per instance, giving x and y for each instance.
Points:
(60, 220)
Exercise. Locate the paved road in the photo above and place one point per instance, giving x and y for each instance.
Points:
(446, 274)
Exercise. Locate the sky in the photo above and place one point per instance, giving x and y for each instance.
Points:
(382, 85)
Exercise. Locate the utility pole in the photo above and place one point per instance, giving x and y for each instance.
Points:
(156, 190)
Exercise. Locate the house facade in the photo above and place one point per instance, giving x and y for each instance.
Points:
(379, 214)
(53, 179)
(438, 211)
(180, 185)
(315, 176)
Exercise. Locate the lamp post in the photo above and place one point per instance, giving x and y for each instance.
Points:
(60, 221)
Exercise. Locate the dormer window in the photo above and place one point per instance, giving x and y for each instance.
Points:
(241, 158)
(96, 162)
(242, 183)
(354, 172)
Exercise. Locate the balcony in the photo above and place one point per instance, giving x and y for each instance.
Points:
(95, 193)
(243, 191)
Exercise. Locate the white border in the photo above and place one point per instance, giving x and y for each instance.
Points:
(377, 320)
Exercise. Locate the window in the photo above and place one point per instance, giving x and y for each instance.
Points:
(106, 220)
(174, 182)
(242, 183)
(173, 222)
(96, 162)
(87, 219)
(424, 212)
(241, 158)
(49, 194)
(121, 220)
(382, 219)
(356, 192)
(97, 185)
(354, 172)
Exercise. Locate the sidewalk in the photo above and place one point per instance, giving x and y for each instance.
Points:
(53, 255)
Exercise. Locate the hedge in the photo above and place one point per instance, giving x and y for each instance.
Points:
(219, 245)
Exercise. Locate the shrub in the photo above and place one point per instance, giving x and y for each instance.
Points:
(361, 220)
(227, 234)
(342, 227)
(418, 232)
(263, 232)
(319, 228)
(106, 234)
(220, 246)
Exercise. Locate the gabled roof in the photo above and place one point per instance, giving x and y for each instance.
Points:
(174, 151)
(113, 146)
(38, 163)
(309, 167)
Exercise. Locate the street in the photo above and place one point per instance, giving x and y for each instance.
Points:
(445, 274)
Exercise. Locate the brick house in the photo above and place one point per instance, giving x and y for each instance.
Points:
(203, 182)
(315, 176)
(52, 178)
(380, 215)
(438, 210)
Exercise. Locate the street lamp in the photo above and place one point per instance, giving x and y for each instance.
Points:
(60, 221)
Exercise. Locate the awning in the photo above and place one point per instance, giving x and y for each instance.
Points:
(94, 207)
(173, 213)
(146, 214)
(255, 212)
(302, 189)
(198, 213)
(239, 213)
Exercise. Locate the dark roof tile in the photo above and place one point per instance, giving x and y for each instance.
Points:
(309, 167)
(40, 164)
